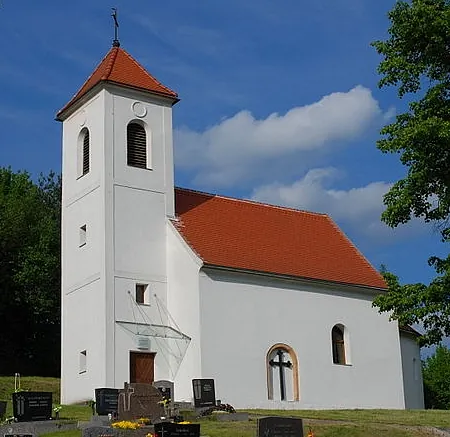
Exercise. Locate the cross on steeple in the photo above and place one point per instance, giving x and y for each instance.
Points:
(116, 42)
(281, 365)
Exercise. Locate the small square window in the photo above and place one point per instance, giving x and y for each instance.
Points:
(82, 235)
(141, 294)
(83, 362)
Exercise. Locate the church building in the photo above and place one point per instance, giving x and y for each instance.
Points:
(166, 283)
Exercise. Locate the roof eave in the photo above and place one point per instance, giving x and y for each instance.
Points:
(76, 103)
(367, 288)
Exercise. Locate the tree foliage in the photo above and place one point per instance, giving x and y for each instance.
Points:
(416, 60)
(29, 273)
(436, 377)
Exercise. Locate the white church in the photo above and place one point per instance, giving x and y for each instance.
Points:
(158, 282)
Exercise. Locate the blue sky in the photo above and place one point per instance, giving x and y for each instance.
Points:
(279, 101)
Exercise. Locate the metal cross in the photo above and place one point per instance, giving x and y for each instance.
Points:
(116, 42)
(281, 365)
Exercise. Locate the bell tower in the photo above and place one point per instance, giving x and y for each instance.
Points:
(118, 193)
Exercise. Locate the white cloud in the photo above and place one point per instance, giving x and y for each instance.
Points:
(361, 204)
(237, 147)
(359, 208)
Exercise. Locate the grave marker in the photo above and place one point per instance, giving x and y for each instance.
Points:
(106, 401)
(204, 393)
(274, 426)
(29, 406)
(138, 400)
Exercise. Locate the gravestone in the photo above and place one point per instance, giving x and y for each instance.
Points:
(168, 429)
(138, 400)
(166, 389)
(204, 393)
(30, 406)
(3, 405)
(274, 426)
(106, 401)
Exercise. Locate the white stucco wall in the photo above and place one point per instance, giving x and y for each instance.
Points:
(243, 315)
(124, 209)
(184, 306)
(83, 296)
(412, 372)
(139, 204)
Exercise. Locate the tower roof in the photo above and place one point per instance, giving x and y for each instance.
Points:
(119, 67)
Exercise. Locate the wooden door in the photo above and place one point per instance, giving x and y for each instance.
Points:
(142, 367)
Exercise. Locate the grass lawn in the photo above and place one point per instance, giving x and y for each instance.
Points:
(438, 418)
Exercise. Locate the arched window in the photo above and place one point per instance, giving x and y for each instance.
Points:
(136, 145)
(337, 339)
(83, 152)
(282, 373)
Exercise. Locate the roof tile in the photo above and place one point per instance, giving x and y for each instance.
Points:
(121, 68)
(248, 235)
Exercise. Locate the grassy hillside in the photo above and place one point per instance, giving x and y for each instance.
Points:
(29, 383)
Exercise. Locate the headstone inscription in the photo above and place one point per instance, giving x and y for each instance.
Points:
(29, 406)
(106, 401)
(274, 426)
(138, 400)
(168, 429)
(204, 393)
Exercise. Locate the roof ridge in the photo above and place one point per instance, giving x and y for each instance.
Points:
(110, 65)
(255, 202)
(75, 95)
(148, 74)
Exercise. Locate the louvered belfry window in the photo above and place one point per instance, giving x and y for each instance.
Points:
(136, 146)
(86, 152)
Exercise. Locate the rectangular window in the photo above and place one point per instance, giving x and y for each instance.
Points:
(83, 362)
(141, 294)
(82, 235)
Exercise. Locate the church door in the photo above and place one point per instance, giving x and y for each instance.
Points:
(142, 367)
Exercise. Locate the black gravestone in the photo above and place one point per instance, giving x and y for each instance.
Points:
(106, 401)
(29, 406)
(280, 427)
(167, 429)
(3, 405)
(204, 393)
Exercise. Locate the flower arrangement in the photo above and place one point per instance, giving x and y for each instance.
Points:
(57, 408)
(144, 421)
(165, 402)
(225, 408)
(125, 424)
(184, 422)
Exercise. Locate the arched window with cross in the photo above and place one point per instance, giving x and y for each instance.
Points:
(282, 373)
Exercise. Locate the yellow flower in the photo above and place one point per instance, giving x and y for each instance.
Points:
(125, 424)
(185, 422)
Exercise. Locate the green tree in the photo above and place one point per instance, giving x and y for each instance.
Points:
(436, 377)
(29, 273)
(416, 60)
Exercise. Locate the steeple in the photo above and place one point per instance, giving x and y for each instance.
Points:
(120, 68)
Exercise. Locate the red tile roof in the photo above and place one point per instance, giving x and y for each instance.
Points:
(120, 68)
(253, 236)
